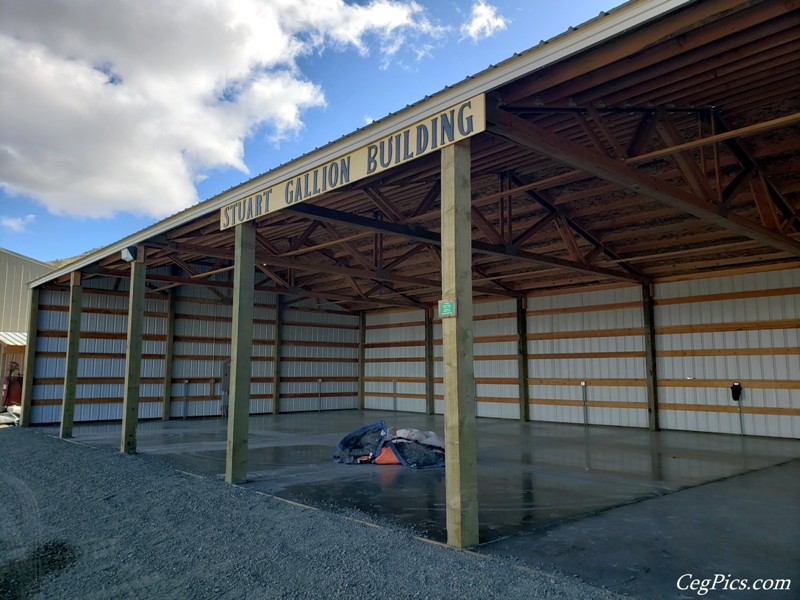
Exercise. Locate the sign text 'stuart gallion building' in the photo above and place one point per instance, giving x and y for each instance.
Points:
(433, 133)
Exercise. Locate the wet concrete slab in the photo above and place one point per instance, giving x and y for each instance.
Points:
(549, 494)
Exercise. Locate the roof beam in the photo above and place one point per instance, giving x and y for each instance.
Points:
(533, 137)
(746, 157)
(584, 233)
(376, 275)
(424, 235)
(384, 204)
(784, 121)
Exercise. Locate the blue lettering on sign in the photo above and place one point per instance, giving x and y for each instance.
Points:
(372, 152)
(422, 139)
(333, 175)
(319, 180)
(462, 129)
(406, 154)
(315, 187)
(447, 127)
(397, 139)
(399, 147)
(385, 152)
(288, 192)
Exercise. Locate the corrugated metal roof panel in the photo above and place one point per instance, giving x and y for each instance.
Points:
(13, 338)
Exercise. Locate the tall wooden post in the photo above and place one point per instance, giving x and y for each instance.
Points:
(362, 358)
(133, 352)
(461, 478)
(71, 365)
(651, 374)
(429, 373)
(169, 356)
(276, 356)
(241, 353)
(30, 359)
(522, 359)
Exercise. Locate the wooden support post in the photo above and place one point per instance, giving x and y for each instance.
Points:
(169, 355)
(362, 357)
(430, 406)
(30, 359)
(522, 359)
(651, 374)
(71, 365)
(241, 353)
(133, 353)
(276, 356)
(461, 477)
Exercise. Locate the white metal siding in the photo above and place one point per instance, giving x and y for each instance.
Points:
(202, 346)
(707, 342)
(15, 273)
(320, 352)
(568, 344)
(395, 361)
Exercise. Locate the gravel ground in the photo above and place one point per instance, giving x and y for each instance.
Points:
(81, 522)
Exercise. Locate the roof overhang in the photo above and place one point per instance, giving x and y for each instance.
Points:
(578, 39)
(659, 140)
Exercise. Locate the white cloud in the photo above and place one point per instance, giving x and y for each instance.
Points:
(484, 22)
(120, 107)
(17, 224)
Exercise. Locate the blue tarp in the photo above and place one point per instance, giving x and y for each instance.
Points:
(364, 445)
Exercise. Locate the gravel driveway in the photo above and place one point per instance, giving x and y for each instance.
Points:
(81, 522)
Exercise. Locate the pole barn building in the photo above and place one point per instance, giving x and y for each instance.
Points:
(15, 273)
(600, 230)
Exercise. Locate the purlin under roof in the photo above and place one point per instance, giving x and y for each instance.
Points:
(595, 168)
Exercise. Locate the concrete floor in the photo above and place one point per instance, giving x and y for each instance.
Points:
(625, 508)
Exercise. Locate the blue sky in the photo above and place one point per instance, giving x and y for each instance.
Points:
(118, 114)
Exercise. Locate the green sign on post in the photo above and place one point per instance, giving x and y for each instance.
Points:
(447, 308)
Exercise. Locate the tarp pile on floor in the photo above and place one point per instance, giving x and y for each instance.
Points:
(381, 445)
(9, 415)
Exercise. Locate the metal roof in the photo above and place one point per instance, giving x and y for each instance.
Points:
(660, 139)
(13, 338)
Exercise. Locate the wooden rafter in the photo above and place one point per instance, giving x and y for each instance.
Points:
(523, 237)
(427, 200)
(766, 209)
(529, 135)
(295, 264)
(384, 204)
(745, 156)
(418, 233)
(636, 51)
(619, 151)
(569, 240)
(305, 237)
(486, 227)
(360, 258)
(786, 121)
(684, 159)
(577, 228)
